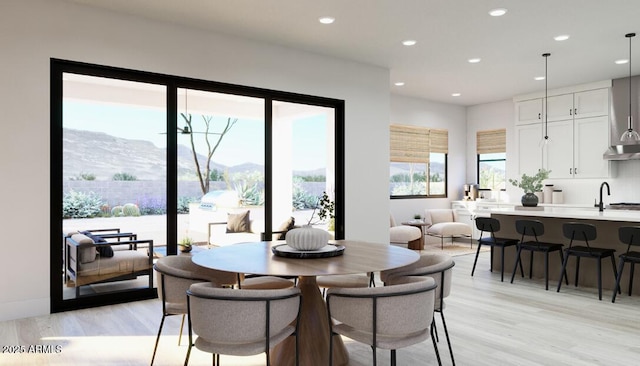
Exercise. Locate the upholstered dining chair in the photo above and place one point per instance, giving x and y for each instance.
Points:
(241, 322)
(388, 317)
(175, 274)
(438, 266)
(346, 281)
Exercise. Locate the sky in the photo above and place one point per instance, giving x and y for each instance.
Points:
(243, 143)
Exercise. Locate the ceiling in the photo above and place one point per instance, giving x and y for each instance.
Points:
(448, 33)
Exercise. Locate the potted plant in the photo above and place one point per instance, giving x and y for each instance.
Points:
(185, 244)
(529, 185)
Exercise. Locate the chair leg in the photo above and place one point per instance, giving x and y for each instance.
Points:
(613, 266)
(181, 327)
(446, 333)
(599, 270)
(518, 260)
(375, 361)
(530, 264)
(566, 278)
(476, 260)
(618, 276)
(435, 329)
(577, 270)
(491, 261)
(435, 348)
(546, 270)
(393, 357)
(502, 265)
(155, 348)
(563, 272)
(631, 277)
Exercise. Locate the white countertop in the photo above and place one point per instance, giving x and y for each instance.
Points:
(590, 213)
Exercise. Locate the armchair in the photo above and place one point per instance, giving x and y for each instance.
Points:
(442, 223)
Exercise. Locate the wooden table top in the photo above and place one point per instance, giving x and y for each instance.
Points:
(257, 258)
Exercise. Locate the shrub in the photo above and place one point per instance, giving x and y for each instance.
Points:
(124, 176)
(152, 205)
(130, 209)
(183, 204)
(116, 211)
(77, 205)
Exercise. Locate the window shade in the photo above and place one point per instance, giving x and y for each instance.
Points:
(413, 144)
(491, 141)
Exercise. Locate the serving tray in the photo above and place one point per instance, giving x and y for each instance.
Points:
(329, 250)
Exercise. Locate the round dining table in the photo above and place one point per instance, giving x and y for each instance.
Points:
(257, 258)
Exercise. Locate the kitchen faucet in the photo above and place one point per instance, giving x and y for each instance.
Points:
(601, 205)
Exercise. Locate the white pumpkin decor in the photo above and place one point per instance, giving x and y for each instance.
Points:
(307, 238)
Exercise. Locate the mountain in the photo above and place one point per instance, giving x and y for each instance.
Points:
(103, 155)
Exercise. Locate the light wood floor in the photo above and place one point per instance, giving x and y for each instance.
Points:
(491, 323)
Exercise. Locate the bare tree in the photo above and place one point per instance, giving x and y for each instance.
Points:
(212, 146)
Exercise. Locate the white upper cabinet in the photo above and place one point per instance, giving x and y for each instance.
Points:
(529, 111)
(528, 139)
(560, 107)
(592, 103)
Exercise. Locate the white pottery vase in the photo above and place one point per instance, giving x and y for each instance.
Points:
(307, 238)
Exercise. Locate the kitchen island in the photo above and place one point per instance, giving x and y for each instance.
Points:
(607, 224)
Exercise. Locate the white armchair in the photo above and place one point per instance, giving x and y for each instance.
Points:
(442, 223)
(404, 234)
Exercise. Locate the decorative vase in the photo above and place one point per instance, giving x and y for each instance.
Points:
(307, 238)
(529, 200)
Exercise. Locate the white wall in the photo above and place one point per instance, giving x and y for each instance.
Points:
(32, 32)
(421, 112)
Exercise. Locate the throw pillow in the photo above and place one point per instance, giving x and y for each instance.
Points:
(238, 222)
(286, 226)
(105, 251)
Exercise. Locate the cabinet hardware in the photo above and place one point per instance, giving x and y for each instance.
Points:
(570, 171)
(575, 111)
(575, 170)
(539, 115)
(570, 111)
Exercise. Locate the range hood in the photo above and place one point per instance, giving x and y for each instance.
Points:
(619, 114)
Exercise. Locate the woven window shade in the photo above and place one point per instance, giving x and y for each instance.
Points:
(439, 141)
(491, 141)
(409, 144)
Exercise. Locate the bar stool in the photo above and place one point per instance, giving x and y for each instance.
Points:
(492, 226)
(629, 235)
(586, 232)
(535, 228)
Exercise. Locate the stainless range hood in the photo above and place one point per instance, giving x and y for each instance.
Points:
(619, 114)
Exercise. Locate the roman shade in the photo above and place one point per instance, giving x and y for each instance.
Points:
(491, 141)
(413, 144)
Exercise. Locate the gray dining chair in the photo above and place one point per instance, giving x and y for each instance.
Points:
(241, 322)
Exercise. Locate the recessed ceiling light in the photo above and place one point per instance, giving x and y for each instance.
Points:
(622, 62)
(399, 83)
(474, 60)
(327, 20)
(562, 37)
(455, 94)
(538, 78)
(498, 12)
(409, 42)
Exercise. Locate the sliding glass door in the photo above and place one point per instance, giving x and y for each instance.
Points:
(141, 163)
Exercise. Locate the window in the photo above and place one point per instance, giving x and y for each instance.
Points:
(492, 159)
(418, 163)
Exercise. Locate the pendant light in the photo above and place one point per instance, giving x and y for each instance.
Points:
(545, 140)
(630, 135)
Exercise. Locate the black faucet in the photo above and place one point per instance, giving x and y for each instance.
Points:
(600, 205)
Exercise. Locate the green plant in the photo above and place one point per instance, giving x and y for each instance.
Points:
(533, 183)
(80, 205)
(186, 242)
(116, 211)
(130, 209)
(124, 176)
(326, 211)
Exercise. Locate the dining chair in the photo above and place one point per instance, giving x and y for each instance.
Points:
(346, 281)
(533, 229)
(388, 317)
(438, 266)
(492, 226)
(584, 232)
(629, 235)
(175, 274)
(241, 322)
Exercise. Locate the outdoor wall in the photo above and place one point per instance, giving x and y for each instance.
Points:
(425, 113)
(33, 31)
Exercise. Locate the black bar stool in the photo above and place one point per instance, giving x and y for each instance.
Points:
(535, 228)
(585, 232)
(629, 235)
(491, 225)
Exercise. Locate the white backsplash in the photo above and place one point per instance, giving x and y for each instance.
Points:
(624, 187)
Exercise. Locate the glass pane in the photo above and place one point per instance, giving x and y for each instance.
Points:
(408, 179)
(114, 172)
(437, 174)
(303, 165)
(220, 167)
(492, 171)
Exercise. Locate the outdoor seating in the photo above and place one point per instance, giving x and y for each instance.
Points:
(105, 255)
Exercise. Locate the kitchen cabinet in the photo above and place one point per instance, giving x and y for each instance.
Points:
(529, 111)
(576, 148)
(585, 104)
(528, 139)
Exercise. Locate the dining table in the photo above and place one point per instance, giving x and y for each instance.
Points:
(356, 257)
